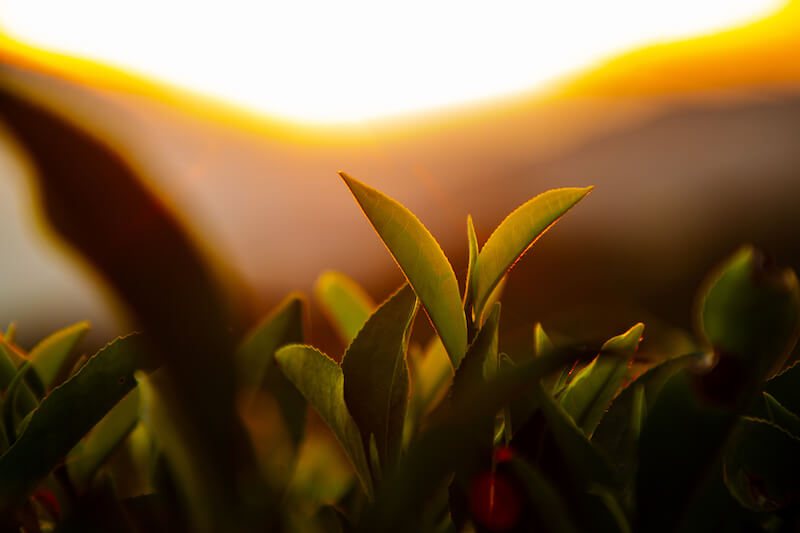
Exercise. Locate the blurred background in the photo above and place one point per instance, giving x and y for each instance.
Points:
(685, 117)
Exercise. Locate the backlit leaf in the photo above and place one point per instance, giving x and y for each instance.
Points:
(85, 459)
(512, 238)
(589, 394)
(422, 261)
(55, 356)
(344, 302)
(256, 360)
(321, 382)
(376, 375)
(65, 416)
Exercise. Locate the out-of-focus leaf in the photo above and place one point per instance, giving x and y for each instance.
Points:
(7, 367)
(421, 260)
(321, 382)
(431, 376)
(589, 394)
(493, 298)
(86, 458)
(55, 356)
(761, 465)
(376, 375)
(453, 436)
(10, 419)
(256, 361)
(585, 464)
(550, 508)
(785, 387)
(615, 434)
(781, 416)
(64, 417)
(751, 311)
(344, 302)
(512, 238)
(541, 341)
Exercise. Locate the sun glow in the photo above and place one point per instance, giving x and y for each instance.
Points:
(353, 60)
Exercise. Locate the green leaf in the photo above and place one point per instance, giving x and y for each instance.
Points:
(422, 261)
(480, 363)
(616, 433)
(589, 394)
(761, 465)
(781, 416)
(8, 367)
(493, 298)
(431, 375)
(376, 375)
(346, 305)
(321, 382)
(256, 361)
(64, 417)
(55, 356)
(472, 242)
(452, 437)
(785, 387)
(512, 238)
(541, 341)
(86, 458)
(751, 311)
(544, 498)
(586, 465)
(10, 409)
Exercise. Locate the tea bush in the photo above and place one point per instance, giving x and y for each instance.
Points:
(199, 424)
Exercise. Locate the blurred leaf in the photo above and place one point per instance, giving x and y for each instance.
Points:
(7, 367)
(86, 458)
(586, 465)
(512, 238)
(421, 260)
(100, 205)
(679, 447)
(64, 417)
(376, 375)
(321, 382)
(493, 298)
(431, 375)
(781, 416)
(785, 387)
(589, 394)
(55, 356)
(453, 436)
(256, 361)
(751, 311)
(616, 435)
(10, 410)
(761, 465)
(541, 341)
(344, 302)
(552, 511)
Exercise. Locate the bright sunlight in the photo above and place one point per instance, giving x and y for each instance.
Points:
(358, 59)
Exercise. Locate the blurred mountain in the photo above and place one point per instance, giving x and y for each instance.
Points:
(692, 148)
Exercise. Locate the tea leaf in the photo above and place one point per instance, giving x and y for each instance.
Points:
(344, 302)
(421, 260)
(785, 387)
(321, 382)
(431, 373)
(54, 356)
(376, 375)
(453, 435)
(615, 434)
(761, 464)
(256, 360)
(512, 238)
(65, 416)
(781, 416)
(472, 242)
(86, 458)
(588, 395)
(751, 311)
(586, 465)
(541, 341)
